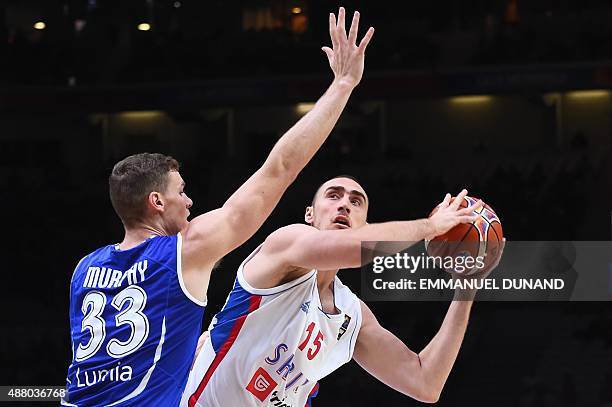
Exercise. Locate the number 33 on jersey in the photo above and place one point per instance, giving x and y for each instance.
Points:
(134, 327)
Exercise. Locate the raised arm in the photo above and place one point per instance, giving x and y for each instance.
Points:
(212, 235)
(423, 375)
(299, 248)
(247, 209)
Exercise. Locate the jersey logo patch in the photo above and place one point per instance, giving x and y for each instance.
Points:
(261, 384)
(305, 306)
(344, 327)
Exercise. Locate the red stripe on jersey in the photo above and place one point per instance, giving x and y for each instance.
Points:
(253, 305)
(313, 393)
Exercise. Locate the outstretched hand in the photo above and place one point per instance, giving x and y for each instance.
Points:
(346, 58)
(449, 214)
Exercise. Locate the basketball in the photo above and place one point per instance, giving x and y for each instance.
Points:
(480, 240)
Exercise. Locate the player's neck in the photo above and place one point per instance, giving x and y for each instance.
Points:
(325, 285)
(325, 278)
(136, 235)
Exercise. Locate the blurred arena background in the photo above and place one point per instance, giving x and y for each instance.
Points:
(508, 98)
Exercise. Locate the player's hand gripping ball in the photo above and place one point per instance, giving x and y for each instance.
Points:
(474, 247)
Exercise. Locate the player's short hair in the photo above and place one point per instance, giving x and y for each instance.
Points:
(323, 183)
(134, 178)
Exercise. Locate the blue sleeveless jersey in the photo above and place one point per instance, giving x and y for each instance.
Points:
(134, 326)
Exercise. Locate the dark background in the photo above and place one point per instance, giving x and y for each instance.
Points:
(216, 83)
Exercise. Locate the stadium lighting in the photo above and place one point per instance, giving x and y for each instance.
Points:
(470, 99)
(296, 10)
(141, 115)
(40, 25)
(589, 94)
(303, 108)
(144, 27)
(177, 4)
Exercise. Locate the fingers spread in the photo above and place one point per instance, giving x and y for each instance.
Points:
(477, 205)
(466, 211)
(354, 29)
(341, 22)
(332, 30)
(446, 200)
(472, 209)
(330, 54)
(459, 199)
(366, 39)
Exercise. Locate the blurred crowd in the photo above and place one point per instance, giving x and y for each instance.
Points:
(98, 42)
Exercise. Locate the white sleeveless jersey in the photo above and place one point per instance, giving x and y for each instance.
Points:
(270, 347)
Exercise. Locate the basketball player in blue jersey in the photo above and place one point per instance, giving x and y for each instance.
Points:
(289, 321)
(136, 306)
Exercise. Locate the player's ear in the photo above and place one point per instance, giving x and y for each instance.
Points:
(155, 201)
(309, 215)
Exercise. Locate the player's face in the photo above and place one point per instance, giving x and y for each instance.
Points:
(341, 203)
(176, 204)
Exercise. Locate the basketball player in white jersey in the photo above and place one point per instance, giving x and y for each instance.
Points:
(289, 321)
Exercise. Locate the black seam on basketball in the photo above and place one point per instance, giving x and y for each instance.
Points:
(496, 235)
(489, 222)
(464, 236)
(491, 227)
(494, 231)
(479, 238)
